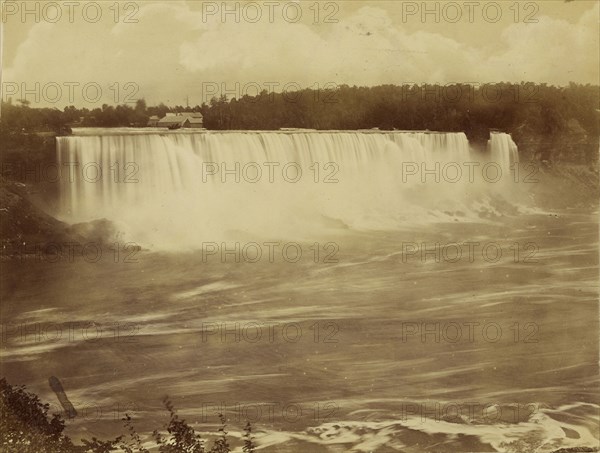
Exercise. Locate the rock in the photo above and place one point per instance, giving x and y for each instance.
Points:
(25, 229)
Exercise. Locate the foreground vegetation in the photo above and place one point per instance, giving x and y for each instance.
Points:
(26, 427)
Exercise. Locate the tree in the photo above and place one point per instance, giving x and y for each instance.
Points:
(25, 424)
(26, 427)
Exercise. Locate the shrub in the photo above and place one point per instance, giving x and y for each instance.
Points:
(26, 427)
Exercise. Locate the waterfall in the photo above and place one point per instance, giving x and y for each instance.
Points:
(178, 189)
(503, 150)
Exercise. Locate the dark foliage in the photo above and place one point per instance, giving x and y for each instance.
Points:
(551, 122)
(26, 427)
(249, 446)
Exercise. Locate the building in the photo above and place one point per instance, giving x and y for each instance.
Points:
(185, 120)
(196, 120)
(153, 121)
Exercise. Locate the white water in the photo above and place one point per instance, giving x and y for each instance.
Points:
(369, 293)
(176, 190)
(503, 150)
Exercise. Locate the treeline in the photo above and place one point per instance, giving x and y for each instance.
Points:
(537, 112)
(541, 108)
(21, 117)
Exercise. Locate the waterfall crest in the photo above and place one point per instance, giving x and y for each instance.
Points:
(178, 189)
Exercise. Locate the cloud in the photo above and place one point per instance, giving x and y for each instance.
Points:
(365, 49)
(171, 51)
(551, 50)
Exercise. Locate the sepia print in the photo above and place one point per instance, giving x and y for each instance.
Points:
(299, 226)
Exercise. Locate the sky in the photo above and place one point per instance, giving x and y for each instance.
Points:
(188, 51)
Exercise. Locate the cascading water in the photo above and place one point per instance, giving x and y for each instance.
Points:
(503, 150)
(174, 190)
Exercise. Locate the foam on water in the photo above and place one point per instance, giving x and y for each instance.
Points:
(541, 433)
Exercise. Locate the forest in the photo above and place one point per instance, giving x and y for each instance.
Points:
(548, 122)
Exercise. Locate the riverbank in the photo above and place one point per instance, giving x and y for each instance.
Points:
(27, 230)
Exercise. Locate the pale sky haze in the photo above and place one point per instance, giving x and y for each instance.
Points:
(180, 49)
